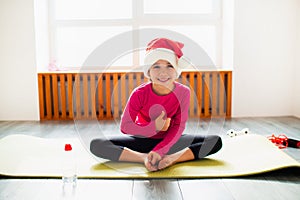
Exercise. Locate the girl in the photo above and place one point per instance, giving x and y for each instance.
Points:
(155, 116)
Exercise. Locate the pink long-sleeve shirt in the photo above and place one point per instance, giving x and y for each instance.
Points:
(144, 106)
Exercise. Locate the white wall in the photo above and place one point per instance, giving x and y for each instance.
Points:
(18, 81)
(41, 34)
(264, 57)
(296, 110)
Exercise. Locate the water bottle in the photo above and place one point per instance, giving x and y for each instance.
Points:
(69, 175)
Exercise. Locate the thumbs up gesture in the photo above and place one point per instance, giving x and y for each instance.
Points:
(161, 123)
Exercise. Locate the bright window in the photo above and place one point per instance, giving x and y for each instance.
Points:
(92, 9)
(75, 44)
(178, 6)
(78, 27)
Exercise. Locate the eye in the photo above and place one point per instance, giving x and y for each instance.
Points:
(156, 67)
(170, 66)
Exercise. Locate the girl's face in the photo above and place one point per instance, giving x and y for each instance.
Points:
(163, 73)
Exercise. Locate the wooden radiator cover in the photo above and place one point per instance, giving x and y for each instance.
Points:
(77, 95)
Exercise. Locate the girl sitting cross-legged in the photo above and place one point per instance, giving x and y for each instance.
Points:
(155, 116)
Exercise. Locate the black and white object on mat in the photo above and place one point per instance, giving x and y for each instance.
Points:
(233, 133)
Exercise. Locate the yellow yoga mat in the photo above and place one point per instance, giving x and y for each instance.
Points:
(28, 156)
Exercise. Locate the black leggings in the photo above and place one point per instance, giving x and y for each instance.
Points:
(111, 147)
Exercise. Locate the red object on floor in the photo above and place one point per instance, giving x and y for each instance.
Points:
(281, 140)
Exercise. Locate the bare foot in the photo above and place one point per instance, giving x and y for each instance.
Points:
(167, 161)
(181, 156)
(149, 165)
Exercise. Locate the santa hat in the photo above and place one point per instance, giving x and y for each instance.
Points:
(165, 49)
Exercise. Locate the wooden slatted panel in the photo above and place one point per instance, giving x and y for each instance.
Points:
(85, 93)
(70, 95)
(41, 96)
(93, 95)
(115, 96)
(48, 97)
(108, 95)
(78, 96)
(63, 100)
(214, 94)
(192, 98)
(55, 96)
(138, 78)
(145, 79)
(184, 80)
(101, 95)
(124, 95)
(222, 97)
(130, 82)
(206, 94)
(199, 94)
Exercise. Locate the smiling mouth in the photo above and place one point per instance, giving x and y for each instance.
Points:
(163, 80)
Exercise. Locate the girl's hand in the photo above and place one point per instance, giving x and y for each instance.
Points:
(162, 124)
(152, 161)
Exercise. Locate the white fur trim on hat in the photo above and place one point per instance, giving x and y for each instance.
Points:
(162, 54)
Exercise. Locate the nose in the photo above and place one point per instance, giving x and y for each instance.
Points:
(163, 71)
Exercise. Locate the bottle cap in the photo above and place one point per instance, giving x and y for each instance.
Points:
(68, 147)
